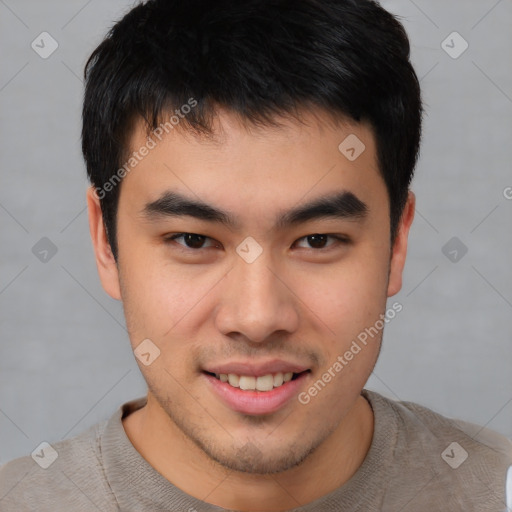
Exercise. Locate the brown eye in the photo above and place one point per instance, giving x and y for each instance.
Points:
(320, 241)
(317, 241)
(190, 240)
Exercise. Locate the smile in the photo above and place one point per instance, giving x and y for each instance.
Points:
(251, 383)
(253, 395)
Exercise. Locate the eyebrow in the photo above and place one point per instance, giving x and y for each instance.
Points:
(340, 205)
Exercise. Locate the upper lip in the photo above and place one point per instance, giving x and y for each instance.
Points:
(256, 369)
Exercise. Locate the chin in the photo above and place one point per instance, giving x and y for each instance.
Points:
(250, 459)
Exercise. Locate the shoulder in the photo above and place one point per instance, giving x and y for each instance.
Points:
(66, 475)
(481, 441)
(444, 460)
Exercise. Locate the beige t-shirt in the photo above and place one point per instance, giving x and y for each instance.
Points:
(418, 461)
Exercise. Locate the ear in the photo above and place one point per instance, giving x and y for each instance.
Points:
(107, 267)
(400, 246)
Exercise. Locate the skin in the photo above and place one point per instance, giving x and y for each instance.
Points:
(294, 302)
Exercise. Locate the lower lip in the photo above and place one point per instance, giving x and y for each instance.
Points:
(256, 402)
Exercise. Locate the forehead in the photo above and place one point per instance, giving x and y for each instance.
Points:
(258, 170)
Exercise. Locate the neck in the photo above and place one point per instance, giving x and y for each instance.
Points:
(187, 467)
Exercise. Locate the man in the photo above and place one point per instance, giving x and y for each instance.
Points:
(250, 165)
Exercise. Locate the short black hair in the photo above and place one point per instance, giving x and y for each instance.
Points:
(261, 59)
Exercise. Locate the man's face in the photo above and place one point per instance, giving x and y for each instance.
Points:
(255, 298)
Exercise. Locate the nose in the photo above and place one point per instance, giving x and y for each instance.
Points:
(257, 301)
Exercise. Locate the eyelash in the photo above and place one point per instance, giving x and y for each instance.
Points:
(340, 240)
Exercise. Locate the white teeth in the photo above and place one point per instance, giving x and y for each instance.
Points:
(234, 380)
(265, 383)
(278, 379)
(251, 383)
(247, 382)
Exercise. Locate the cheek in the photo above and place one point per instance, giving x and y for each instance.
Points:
(349, 296)
(156, 300)
(352, 327)
(158, 307)
(167, 303)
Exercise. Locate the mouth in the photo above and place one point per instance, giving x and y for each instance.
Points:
(263, 383)
(256, 395)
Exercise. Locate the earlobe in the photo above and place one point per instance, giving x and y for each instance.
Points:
(105, 261)
(400, 246)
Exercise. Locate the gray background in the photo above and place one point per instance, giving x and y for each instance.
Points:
(65, 358)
